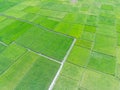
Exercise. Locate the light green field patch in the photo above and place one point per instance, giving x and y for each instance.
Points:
(29, 16)
(81, 18)
(63, 27)
(107, 7)
(106, 20)
(96, 81)
(107, 14)
(106, 45)
(102, 63)
(91, 20)
(31, 9)
(107, 30)
(72, 71)
(94, 9)
(85, 7)
(74, 30)
(17, 7)
(5, 23)
(39, 19)
(15, 14)
(84, 43)
(64, 83)
(52, 13)
(90, 28)
(79, 56)
(70, 17)
(88, 36)
(49, 23)
(2, 18)
(46, 42)
(77, 18)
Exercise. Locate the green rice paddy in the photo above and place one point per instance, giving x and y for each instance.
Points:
(59, 45)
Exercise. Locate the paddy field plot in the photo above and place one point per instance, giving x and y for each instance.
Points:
(59, 44)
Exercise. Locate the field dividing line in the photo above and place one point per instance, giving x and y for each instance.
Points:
(68, 52)
(58, 73)
(44, 56)
(3, 43)
(40, 54)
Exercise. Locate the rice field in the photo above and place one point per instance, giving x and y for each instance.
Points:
(59, 45)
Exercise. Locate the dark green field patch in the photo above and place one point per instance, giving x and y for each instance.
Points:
(46, 42)
(12, 31)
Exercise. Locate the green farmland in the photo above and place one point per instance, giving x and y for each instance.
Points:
(59, 45)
